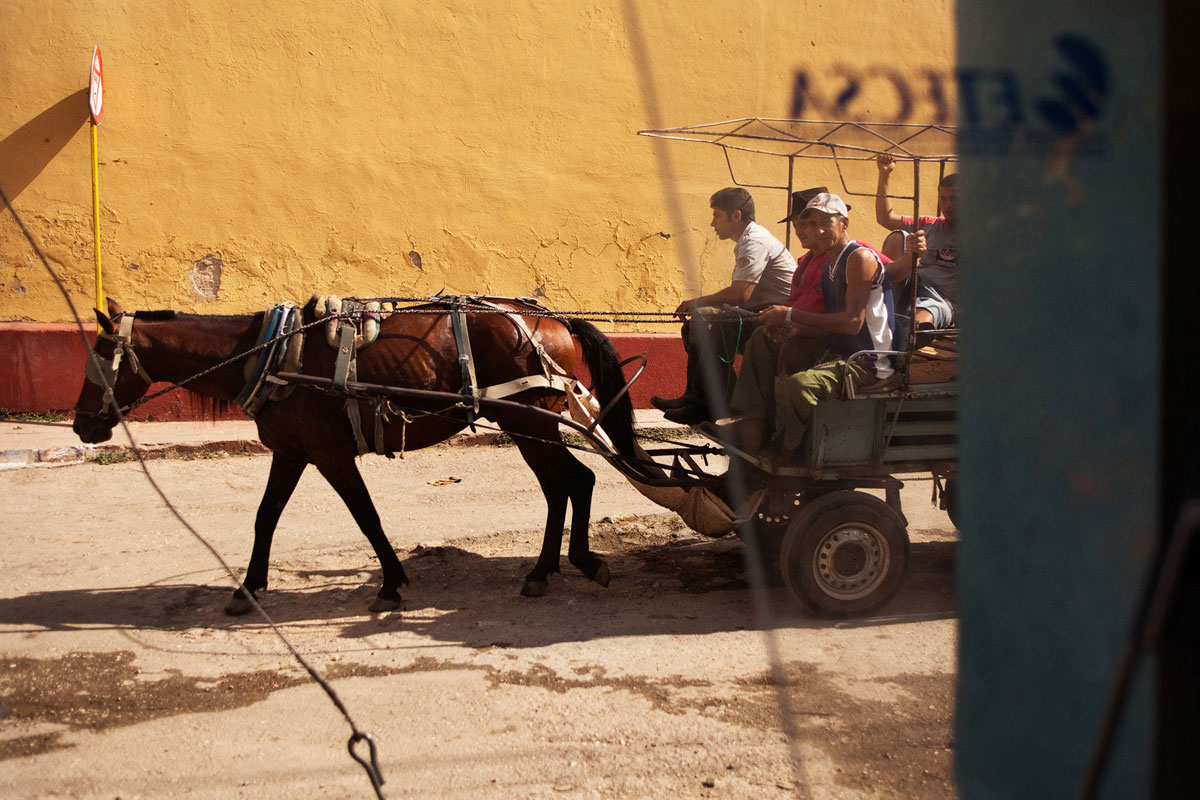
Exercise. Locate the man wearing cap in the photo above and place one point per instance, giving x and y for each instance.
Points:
(857, 315)
(762, 276)
(935, 245)
(805, 292)
(779, 345)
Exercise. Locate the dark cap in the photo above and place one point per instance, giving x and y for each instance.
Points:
(800, 200)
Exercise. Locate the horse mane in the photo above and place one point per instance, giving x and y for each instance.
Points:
(205, 408)
(166, 315)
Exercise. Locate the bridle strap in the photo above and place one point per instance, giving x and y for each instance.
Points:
(125, 341)
(123, 347)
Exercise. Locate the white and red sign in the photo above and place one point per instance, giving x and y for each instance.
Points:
(96, 87)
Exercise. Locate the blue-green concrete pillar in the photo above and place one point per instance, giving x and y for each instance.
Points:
(1061, 132)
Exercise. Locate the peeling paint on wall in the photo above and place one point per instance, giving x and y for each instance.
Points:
(502, 167)
(206, 276)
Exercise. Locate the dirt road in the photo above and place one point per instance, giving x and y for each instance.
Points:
(121, 677)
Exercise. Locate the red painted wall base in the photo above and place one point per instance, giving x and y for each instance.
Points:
(42, 369)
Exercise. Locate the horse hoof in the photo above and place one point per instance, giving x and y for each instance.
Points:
(601, 575)
(533, 589)
(237, 606)
(384, 604)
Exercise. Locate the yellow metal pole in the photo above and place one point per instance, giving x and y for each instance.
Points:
(96, 215)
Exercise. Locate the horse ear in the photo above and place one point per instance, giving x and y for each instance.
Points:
(105, 323)
(113, 307)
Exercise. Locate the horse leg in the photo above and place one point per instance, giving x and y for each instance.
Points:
(556, 515)
(580, 481)
(285, 474)
(562, 478)
(344, 477)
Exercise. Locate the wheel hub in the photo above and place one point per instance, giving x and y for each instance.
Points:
(851, 561)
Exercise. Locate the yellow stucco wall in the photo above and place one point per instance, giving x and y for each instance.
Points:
(310, 147)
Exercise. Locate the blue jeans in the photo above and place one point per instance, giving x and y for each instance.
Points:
(931, 300)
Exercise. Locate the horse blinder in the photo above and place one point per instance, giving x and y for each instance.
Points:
(103, 371)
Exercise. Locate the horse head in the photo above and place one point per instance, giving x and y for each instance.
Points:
(112, 365)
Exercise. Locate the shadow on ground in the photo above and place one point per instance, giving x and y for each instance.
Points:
(683, 585)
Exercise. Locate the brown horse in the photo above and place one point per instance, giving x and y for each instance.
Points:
(310, 426)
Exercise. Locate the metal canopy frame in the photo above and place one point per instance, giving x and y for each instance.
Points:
(832, 141)
(796, 137)
(824, 140)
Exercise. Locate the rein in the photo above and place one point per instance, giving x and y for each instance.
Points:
(215, 367)
(448, 305)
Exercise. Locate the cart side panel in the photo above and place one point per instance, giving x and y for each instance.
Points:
(845, 432)
(921, 429)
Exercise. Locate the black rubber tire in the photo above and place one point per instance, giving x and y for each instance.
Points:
(770, 535)
(844, 553)
(950, 500)
(773, 527)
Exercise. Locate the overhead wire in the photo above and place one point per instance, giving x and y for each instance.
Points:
(370, 763)
(738, 486)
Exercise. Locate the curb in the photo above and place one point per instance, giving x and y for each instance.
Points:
(51, 456)
(119, 453)
(65, 456)
(115, 453)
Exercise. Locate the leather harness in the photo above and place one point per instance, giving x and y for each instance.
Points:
(553, 376)
(282, 344)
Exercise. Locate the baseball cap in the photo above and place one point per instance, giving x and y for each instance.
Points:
(800, 200)
(827, 203)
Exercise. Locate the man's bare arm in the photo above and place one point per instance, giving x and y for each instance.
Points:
(735, 294)
(777, 319)
(899, 268)
(884, 214)
(861, 270)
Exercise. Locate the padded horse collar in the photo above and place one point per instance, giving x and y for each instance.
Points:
(282, 344)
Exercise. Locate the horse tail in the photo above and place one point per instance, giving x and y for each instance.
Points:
(607, 378)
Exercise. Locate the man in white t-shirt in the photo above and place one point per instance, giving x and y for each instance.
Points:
(762, 276)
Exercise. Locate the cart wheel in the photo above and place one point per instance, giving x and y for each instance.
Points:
(773, 525)
(845, 553)
(950, 500)
(770, 532)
